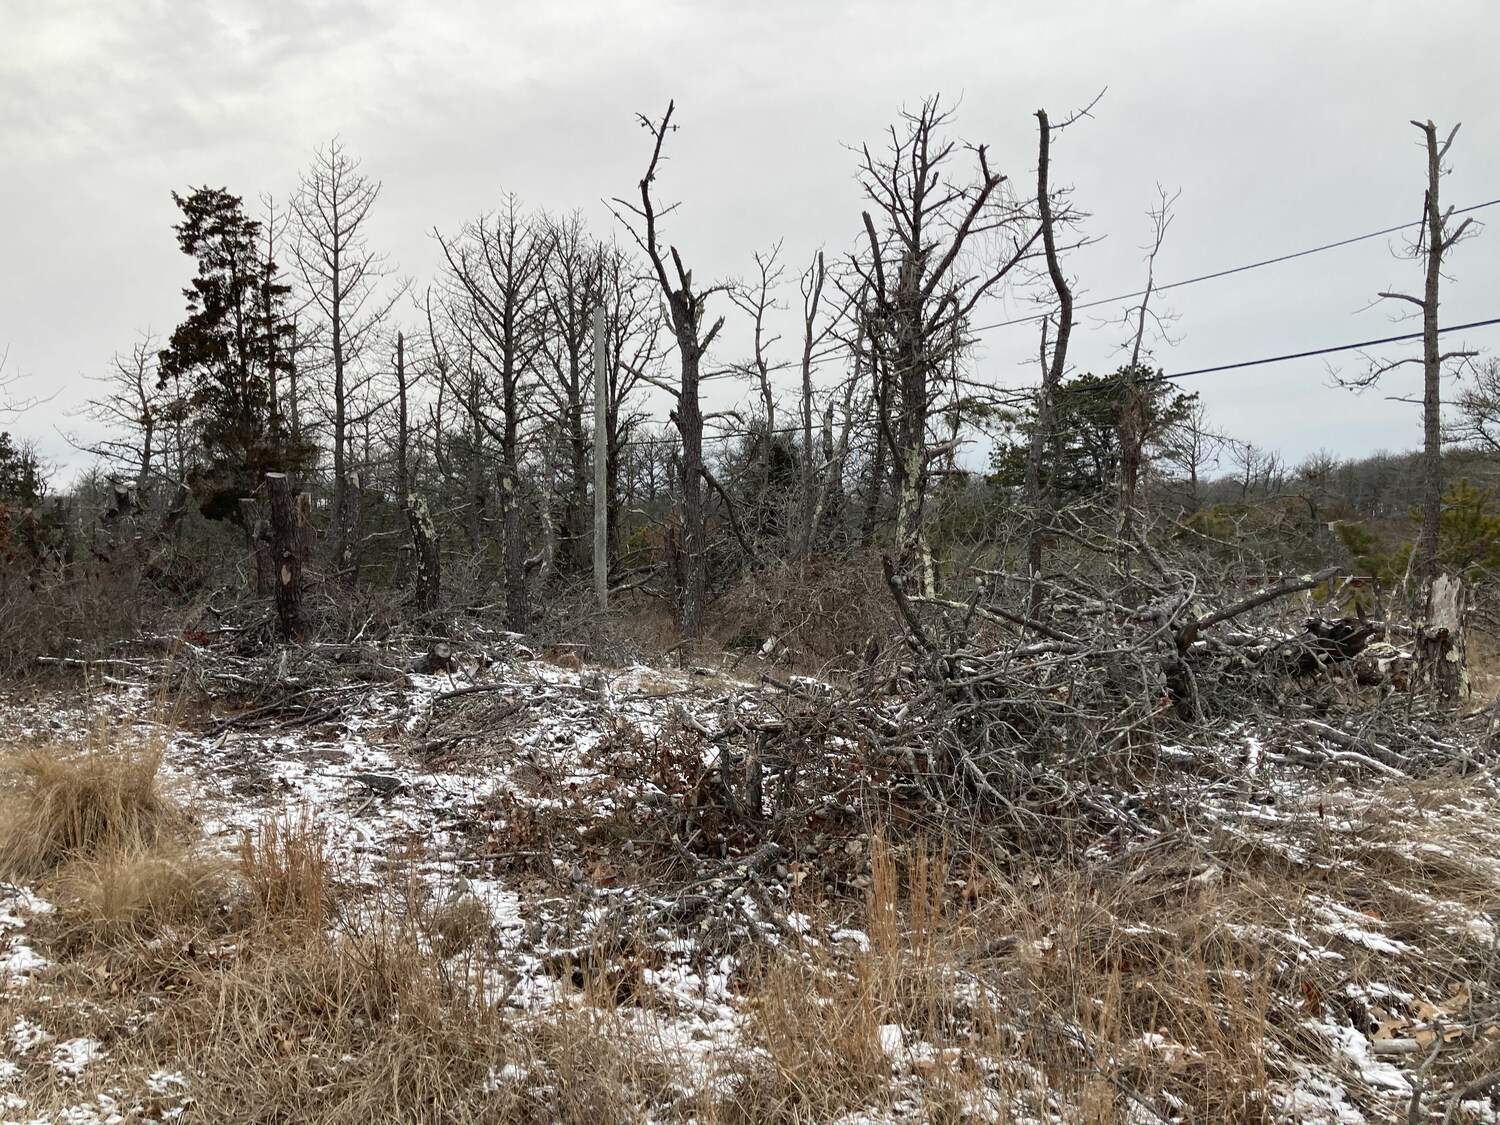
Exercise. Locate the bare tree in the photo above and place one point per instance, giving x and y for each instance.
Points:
(758, 301)
(572, 286)
(342, 277)
(941, 244)
(139, 410)
(495, 273)
(1131, 410)
(1053, 367)
(687, 307)
(820, 321)
(1432, 246)
(1478, 405)
(1192, 446)
(632, 324)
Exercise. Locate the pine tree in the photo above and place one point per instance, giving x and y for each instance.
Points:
(21, 481)
(1082, 452)
(227, 356)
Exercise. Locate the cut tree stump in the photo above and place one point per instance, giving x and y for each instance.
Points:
(1440, 640)
(286, 554)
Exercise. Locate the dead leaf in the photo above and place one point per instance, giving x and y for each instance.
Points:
(1312, 997)
(1387, 1026)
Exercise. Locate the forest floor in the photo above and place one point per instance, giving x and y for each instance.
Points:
(453, 898)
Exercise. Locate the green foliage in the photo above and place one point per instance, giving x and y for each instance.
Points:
(227, 356)
(1081, 456)
(1469, 532)
(1214, 522)
(1468, 539)
(21, 480)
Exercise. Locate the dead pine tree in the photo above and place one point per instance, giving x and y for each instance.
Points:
(821, 321)
(344, 280)
(1440, 638)
(686, 309)
(1052, 216)
(1052, 367)
(1130, 412)
(495, 305)
(571, 287)
(937, 241)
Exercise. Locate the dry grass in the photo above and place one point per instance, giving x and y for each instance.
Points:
(357, 1027)
(128, 896)
(284, 863)
(60, 804)
(1158, 982)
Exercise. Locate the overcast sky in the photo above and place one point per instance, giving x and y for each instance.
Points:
(1285, 125)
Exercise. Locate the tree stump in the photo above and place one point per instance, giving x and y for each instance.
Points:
(1440, 640)
(439, 659)
(286, 555)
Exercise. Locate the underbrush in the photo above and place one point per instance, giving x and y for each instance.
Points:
(1231, 972)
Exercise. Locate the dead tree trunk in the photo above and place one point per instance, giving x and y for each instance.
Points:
(427, 588)
(1434, 245)
(286, 552)
(350, 513)
(1440, 640)
(1432, 370)
(686, 307)
(938, 247)
(258, 549)
(1052, 371)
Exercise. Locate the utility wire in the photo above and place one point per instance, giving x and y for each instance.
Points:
(1022, 394)
(824, 353)
(1229, 272)
(1324, 351)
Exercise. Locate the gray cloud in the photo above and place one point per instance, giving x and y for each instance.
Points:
(1284, 124)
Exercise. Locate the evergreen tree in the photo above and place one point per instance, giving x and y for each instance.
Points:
(1082, 453)
(21, 483)
(226, 357)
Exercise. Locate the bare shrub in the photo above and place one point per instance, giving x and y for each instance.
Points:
(819, 614)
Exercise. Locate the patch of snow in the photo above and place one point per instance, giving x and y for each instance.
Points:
(25, 1035)
(72, 1057)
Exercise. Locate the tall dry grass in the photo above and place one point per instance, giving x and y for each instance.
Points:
(984, 989)
(59, 803)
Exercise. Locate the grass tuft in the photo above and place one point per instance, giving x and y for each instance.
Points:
(61, 804)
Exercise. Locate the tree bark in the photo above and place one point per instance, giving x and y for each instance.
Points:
(257, 543)
(1440, 640)
(286, 552)
(428, 586)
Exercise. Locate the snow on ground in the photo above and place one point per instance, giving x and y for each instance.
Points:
(435, 770)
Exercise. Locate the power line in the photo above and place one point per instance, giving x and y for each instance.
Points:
(1327, 351)
(1019, 395)
(1236, 269)
(1023, 394)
